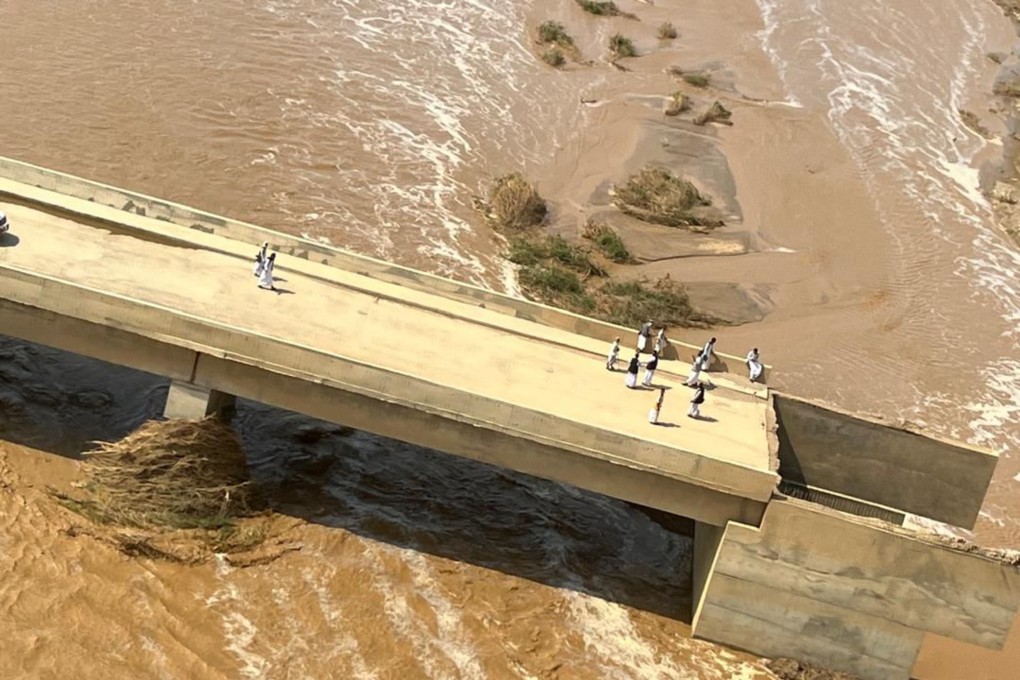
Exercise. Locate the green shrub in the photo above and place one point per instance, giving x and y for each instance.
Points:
(554, 57)
(657, 195)
(679, 103)
(551, 279)
(717, 113)
(696, 79)
(631, 303)
(621, 46)
(514, 203)
(667, 31)
(605, 8)
(607, 241)
(552, 32)
(575, 257)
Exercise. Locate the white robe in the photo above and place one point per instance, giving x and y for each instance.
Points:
(259, 266)
(754, 370)
(706, 356)
(649, 374)
(614, 352)
(266, 278)
(642, 342)
(631, 380)
(653, 415)
(692, 377)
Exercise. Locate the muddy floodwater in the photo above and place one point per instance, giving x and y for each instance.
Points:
(868, 252)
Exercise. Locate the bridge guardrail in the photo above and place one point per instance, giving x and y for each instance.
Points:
(296, 246)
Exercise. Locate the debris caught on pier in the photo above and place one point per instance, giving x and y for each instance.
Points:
(177, 490)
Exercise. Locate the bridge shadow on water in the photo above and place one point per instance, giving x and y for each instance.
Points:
(377, 488)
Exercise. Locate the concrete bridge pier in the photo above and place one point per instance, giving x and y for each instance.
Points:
(188, 400)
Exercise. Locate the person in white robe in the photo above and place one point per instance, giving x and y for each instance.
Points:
(660, 341)
(754, 367)
(696, 401)
(708, 354)
(632, 371)
(614, 353)
(260, 259)
(266, 277)
(653, 413)
(643, 335)
(650, 367)
(692, 377)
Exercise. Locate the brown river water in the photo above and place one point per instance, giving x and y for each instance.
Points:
(370, 124)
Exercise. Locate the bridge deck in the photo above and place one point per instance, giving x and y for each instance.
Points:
(546, 370)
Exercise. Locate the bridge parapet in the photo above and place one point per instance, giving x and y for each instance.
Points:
(315, 251)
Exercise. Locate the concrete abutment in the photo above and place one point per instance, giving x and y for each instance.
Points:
(189, 401)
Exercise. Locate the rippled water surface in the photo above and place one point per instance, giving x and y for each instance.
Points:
(370, 124)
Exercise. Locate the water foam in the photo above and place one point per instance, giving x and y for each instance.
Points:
(429, 92)
(238, 629)
(889, 104)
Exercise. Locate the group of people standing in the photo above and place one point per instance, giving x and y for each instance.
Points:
(699, 362)
(265, 262)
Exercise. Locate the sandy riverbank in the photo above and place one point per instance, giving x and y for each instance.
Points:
(806, 265)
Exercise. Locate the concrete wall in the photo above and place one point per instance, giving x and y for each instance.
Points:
(707, 541)
(371, 398)
(849, 594)
(294, 246)
(845, 453)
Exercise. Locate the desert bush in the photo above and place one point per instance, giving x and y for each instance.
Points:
(537, 248)
(177, 474)
(552, 32)
(696, 79)
(551, 279)
(717, 113)
(514, 203)
(679, 102)
(657, 195)
(605, 8)
(554, 57)
(667, 31)
(621, 46)
(607, 241)
(630, 303)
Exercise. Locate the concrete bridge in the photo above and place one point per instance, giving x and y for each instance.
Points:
(798, 548)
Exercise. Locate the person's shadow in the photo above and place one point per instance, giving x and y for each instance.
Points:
(9, 240)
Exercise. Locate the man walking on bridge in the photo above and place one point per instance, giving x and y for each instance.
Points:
(614, 352)
(266, 278)
(643, 335)
(260, 259)
(632, 371)
(696, 401)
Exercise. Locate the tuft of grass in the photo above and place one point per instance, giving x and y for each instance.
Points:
(554, 57)
(621, 46)
(717, 113)
(667, 31)
(513, 203)
(534, 249)
(551, 278)
(607, 241)
(630, 303)
(656, 195)
(553, 33)
(679, 102)
(602, 8)
(696, 79)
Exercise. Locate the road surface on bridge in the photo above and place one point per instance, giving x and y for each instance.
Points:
(473, 350)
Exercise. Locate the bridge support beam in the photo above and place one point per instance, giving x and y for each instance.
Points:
(189, 401)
